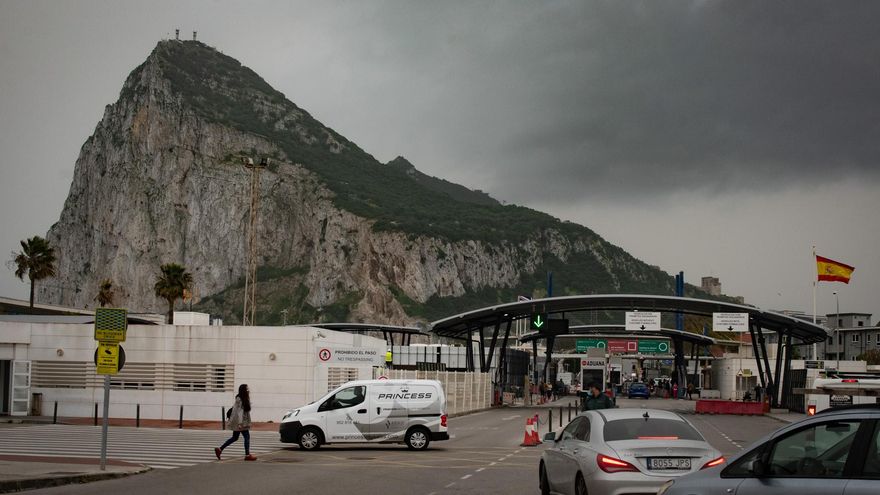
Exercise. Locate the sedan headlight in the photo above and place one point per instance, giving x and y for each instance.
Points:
(666, 486)
(290, 414)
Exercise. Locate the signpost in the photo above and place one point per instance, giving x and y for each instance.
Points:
(730, 322)
(648, 321)
(623, 345)
(648, 346)
(111, 325)
(538, 321)
(583, 344)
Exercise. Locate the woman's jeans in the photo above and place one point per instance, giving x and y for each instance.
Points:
(247, 441)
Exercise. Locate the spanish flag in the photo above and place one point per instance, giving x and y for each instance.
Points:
(833, 271)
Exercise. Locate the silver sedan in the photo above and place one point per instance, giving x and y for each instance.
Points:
(617, 451)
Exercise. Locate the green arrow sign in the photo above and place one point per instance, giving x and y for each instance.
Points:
(538, 321)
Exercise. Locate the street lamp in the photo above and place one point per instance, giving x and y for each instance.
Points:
(840, 346)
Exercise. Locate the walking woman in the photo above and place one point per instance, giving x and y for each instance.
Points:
(240, 423)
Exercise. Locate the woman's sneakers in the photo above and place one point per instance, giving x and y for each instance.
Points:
(250, 457)
(217, 452)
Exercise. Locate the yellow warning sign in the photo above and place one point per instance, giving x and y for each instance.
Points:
(107, 360)
(110, 324)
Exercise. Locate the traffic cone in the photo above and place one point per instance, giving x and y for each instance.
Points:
(535, 437)
(529, 437)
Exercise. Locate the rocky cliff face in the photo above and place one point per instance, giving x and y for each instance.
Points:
(161, 181)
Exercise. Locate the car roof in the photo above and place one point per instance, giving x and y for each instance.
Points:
(636, 413)
(857, 408)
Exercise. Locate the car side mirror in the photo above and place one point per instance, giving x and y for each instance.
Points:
(549, 436)
(757, 468)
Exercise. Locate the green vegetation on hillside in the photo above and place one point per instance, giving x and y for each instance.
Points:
(220, 89)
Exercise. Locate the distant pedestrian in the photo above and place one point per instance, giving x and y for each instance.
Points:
(690, 391)
(597, 399)
(675, 391)
(240, 423)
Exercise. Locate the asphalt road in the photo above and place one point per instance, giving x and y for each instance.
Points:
(483, 457)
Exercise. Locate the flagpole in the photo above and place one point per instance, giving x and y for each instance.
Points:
(815, 345)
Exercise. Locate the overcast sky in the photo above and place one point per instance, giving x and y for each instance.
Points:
(717, 138)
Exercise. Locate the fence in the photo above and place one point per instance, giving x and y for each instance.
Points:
(465, 392)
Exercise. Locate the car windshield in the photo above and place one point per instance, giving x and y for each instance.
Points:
(637, 386)
(649, 429)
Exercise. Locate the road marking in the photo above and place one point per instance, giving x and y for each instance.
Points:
(478, 470)
(502, 459)
(510, 417)
(465, 476)
(492, 463)
(449, 485)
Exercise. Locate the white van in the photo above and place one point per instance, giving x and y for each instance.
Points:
(375, 411)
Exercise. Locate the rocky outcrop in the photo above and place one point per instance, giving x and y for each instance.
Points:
(161, 181)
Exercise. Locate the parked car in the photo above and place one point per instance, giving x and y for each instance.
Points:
(638, 390)
(837, 451)
(617, 451)
(375, 411)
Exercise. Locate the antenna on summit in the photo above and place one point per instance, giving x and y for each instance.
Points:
(194, 35)
(177, 34)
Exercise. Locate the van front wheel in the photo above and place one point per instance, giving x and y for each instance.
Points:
(309, 438)
(417, 438)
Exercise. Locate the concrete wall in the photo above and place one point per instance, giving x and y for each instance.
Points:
(732, 387)
(279, 364)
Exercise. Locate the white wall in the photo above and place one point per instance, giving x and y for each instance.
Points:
(291, 379)
(725, 380)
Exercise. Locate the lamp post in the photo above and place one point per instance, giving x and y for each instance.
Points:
(840, 346)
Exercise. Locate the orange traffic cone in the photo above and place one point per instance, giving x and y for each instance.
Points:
(535, 437)
(530, 435)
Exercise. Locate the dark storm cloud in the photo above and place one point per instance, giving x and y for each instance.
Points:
(598, 97)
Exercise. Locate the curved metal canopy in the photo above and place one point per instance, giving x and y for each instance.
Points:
(619, 331)
(460, 326)
(388, 331)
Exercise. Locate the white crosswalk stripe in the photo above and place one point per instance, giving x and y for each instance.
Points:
(156, 447)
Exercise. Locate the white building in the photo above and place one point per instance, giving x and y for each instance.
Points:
(168, 366)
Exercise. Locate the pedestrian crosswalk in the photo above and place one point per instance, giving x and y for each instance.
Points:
(155, 447)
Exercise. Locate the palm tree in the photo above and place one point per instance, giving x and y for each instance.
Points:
(36, 260)
(105, 293)
(172, 281)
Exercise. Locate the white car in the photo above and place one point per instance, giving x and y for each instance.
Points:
(623, 451)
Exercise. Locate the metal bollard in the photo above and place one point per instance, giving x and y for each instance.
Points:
(223, 417)
(55, 414)
(560, 416)
(550, 422)
(569, 412)
(180, 424)
(137, 420)
(96, 414)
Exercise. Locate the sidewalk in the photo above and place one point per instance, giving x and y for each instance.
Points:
(21, 472)
(25, 472)
(786, 416)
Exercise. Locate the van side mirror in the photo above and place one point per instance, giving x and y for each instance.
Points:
(549, 436)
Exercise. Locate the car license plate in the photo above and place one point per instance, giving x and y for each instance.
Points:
(669, 463)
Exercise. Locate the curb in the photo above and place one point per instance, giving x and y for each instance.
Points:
(35, 483)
